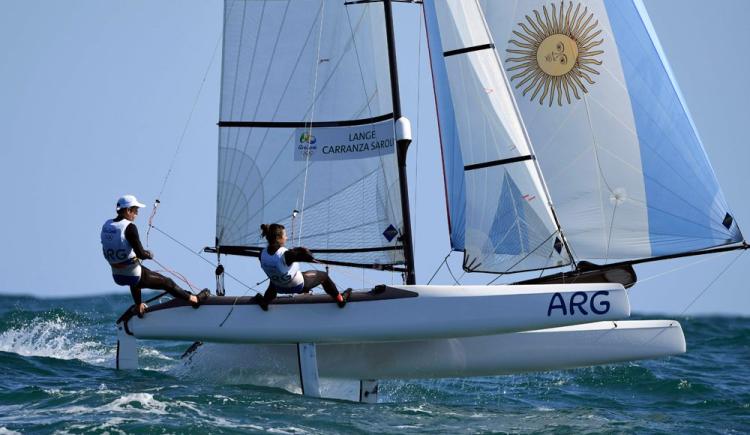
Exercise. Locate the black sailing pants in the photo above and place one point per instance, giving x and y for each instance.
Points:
(156, 281)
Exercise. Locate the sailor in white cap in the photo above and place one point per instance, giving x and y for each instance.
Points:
(123, 250)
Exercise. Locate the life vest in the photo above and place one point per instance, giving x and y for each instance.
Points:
(277, 270)
(115, 247)
(126, 270)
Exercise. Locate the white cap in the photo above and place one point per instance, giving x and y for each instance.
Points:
(127, 201)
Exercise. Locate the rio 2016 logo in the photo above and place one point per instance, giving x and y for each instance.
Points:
(307, 138)
(306, 145)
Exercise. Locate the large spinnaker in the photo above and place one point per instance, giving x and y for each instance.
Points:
(306, 124)
(499, 212)
(618, 149)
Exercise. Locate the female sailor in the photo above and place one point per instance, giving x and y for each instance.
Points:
(280, 264)
(122, 248)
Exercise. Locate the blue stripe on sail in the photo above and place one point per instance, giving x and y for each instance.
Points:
(685, 203)
(509, 233)
(452, 160)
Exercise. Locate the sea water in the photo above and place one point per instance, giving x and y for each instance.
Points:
(57, 375)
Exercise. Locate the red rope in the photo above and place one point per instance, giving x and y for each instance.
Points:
(177, 275)
(151, 219)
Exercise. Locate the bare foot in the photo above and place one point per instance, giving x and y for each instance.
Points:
(193, 299)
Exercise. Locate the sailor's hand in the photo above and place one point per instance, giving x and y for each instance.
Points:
(141, 309)
(306, 255)
(149, 255)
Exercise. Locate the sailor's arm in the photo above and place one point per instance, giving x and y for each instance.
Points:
(298, 254)
(131, 235)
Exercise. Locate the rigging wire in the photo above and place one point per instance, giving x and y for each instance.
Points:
(237, 298)
(416, 128)
(197, 253)
(369, 112)
(705, 289)
(695, 299)
(178, 275)
(347, 272)
(190, 116)
(231, 309)
(703, 260)
(312, 117)
(712, 282)
(439, 267)
(181, 139)
(448, 266)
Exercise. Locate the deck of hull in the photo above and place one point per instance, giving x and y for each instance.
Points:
(392, 314)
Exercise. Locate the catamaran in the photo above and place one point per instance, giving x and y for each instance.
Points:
(567, 149)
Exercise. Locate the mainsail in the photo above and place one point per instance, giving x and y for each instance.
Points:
(306, 134)
(625, 167)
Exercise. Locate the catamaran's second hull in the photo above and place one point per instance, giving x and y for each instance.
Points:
(395, 313)
(499, 354)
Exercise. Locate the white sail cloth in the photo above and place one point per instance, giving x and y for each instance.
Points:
(625, 168)
(305, 91)
(499, 210)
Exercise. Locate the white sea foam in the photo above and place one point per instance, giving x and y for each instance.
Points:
(109, 426)
(136, 402)
(153, 353)
(223, 399)
(135, 405)
(6, 431)
(55, 338)
(287, 430)
(129, 404)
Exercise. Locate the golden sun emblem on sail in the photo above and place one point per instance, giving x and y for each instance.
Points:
(555, 54)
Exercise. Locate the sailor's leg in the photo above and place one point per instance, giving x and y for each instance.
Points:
(314, 278)
(264, 299)
(135, 291)
(157, 281)
(270, 294)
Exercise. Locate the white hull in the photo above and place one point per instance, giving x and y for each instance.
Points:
(397, 314)
(541, 350)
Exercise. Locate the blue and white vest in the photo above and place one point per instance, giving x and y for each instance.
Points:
(277, 270)
(126, 270)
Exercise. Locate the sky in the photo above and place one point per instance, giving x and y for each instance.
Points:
(95, 96)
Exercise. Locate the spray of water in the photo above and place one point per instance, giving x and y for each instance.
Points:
(56, 338)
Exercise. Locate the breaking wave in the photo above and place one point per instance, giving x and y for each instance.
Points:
(55, 337)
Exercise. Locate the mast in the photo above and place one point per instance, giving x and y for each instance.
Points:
(403, 139)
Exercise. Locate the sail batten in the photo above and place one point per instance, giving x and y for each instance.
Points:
(306, 124)
(507, 161)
